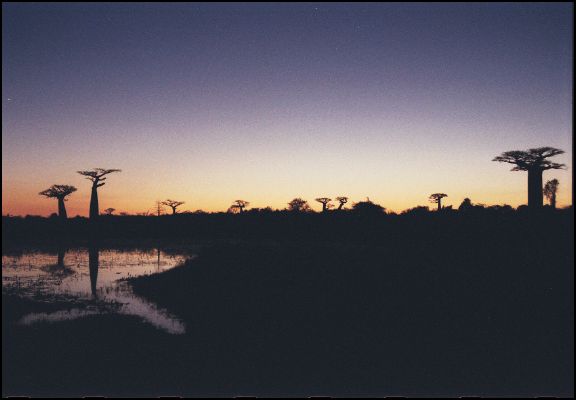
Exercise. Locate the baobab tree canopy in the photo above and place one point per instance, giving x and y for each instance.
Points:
(436, 197)
(58, 191)
(97, 174)
(531, 158)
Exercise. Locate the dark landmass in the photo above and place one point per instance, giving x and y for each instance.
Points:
(368, 225)
(325, 305)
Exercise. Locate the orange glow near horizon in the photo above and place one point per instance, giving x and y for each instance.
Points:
(126, 194)
(207, 103)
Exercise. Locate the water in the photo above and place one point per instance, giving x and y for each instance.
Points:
(90, 281)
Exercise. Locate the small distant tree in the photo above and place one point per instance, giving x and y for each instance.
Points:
(550, 190)
(96, 176)
(465, 205)
(109, 211)
(59, 192)
(173, 204)
(437, 198)
(299, 205)
(342, 200)
(239, 206)
(368, 207)
(325, 201)
(159, 207)
(534, 161)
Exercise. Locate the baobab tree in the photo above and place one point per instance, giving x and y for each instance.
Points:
(550, 190)
(437, 198)
(109, 211)
(239, 205)
(96, 176)
(173, 204)
(535, 162)
(59, 192)
(298, 205)
(325, 203)
(342, 200)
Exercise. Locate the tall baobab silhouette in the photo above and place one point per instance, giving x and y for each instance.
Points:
(59, 192)
(298, 205)
(325, 203)
(535, 162)
(240, 205)
(437, 198)
(173, 204)
(342, 200)
(96, 176)
(550, 190)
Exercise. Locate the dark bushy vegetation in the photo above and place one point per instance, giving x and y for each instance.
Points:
(365, 223)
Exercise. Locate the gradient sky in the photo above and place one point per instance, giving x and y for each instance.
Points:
(208, 103)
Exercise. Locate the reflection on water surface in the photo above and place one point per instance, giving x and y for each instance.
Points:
(91, 280)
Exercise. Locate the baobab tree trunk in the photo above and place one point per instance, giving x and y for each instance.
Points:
(553, 201)
(439, 204)
(173, 210)
(535, 188)
(62, 208)
(94, 202)
(323, 207)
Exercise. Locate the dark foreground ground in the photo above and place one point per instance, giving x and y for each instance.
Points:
(454, 311)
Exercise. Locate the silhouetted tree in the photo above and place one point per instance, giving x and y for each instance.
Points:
(299, 205)
(437, 198)
(239, 205)
(59, 192)
(159, 208)
(342, 200)
(96, 176)
(109, 211)
(325, 203)
(368, 207)
(173, 204)
(550, 190)
(535, 162)
(466, 205)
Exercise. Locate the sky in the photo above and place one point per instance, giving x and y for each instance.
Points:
(209, 103)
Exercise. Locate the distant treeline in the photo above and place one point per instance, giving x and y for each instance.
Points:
(370, 224)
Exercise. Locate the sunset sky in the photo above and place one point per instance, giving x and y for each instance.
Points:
(211, 103)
